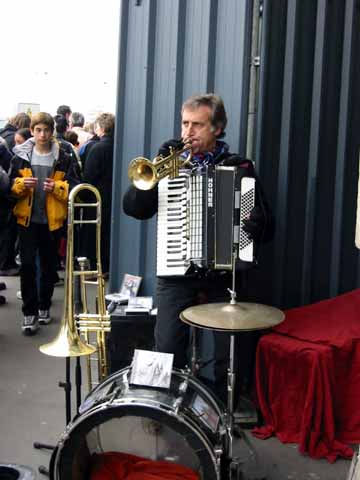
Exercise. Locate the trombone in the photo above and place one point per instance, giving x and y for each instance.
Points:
(68, 342)
(145, 174)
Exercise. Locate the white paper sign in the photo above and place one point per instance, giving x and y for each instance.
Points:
(151, 369)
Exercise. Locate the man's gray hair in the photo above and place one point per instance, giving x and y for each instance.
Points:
(77, 119)
(215, 104)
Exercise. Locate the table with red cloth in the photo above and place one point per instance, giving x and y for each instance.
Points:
(308, 378)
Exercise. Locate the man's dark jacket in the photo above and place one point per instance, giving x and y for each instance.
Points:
(98, 169)
(8, 134)
(143, 205)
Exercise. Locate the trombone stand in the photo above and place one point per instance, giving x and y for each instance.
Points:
(66, 385)
(67, 389)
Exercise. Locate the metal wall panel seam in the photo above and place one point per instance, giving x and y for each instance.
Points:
(149, 90)
(263, 75)
(313, 150)
(251, 78)
(283, 178)
(349, 26)
(180, 58)
(114, 280)
(213, 11)
(131, 231)
(196, 47)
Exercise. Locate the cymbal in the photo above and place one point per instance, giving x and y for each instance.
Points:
(242, 316)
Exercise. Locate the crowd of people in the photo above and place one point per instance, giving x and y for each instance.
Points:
(42, 157)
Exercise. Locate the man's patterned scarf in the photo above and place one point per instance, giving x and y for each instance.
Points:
(208, 158)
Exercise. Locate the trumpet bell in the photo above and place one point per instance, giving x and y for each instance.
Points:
(142, 173)
(67, 344)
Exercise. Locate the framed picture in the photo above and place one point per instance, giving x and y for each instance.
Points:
(130, 285)
(129, 289)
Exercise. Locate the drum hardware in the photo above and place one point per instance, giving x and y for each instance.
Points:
(182, 391)
(232, 317)
(193, 431)
(354, 471)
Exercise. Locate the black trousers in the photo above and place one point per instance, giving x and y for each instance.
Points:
(173, 336)
(8, 236)
(37, 239)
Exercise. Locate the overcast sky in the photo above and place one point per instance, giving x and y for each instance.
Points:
(59, 52)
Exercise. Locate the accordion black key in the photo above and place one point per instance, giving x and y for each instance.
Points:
(200, 221)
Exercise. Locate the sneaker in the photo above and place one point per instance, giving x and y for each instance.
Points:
(44, 317)
(59, 282)
(18, 295)
(10, 272)
(30, 325)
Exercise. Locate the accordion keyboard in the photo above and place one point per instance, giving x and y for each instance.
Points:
(172, 227)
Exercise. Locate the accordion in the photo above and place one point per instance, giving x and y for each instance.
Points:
(200, 216)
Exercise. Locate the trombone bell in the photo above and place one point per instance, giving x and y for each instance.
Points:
(67, 344)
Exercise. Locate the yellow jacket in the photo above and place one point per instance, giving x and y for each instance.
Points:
(56, 201)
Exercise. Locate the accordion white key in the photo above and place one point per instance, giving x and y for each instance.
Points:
(200, 218)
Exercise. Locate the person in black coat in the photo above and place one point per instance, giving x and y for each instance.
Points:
(8, 228)
(21, 120)
(4, 190)
(98, 171)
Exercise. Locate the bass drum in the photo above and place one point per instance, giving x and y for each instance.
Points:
(184, 424)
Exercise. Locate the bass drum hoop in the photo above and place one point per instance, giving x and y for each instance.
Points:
(61, 460)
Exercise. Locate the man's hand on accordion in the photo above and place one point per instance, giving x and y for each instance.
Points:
(175, 144)
(237, 161)
(255, 225)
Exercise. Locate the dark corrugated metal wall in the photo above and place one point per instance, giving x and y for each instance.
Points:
(169, 50)
(307, 148)
(307, 127)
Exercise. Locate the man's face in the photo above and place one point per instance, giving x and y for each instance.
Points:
(196, 126)
(42, 134)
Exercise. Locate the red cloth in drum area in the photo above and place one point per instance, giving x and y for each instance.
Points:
(308, 378)
(123, 466)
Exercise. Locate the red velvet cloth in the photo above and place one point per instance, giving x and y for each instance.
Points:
(308, 378)
(123, 466)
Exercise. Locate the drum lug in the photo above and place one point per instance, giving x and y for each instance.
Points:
(183, 386)
(182, 390)
(218, 451)
(177, 404)
(234, 471)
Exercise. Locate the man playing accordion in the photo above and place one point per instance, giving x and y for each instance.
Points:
(202, 129)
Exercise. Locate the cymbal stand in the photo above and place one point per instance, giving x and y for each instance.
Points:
(231, 370)
(235, 462)
(194, 359)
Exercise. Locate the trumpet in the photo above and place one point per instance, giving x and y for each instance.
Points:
(145, 174)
